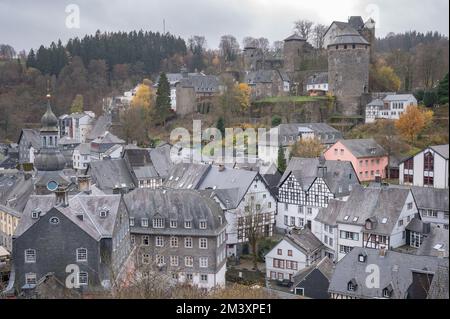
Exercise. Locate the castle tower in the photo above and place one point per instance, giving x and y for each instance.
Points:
(49, 162)
(348, 72)
(293, 51)
(368, 32)
(250, 57)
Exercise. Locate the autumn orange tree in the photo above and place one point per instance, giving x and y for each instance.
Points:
(144, 96)
(307, 148)
(413, 122)
(243, 92)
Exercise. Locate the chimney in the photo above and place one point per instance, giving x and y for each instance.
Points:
(382, 252)
(84, 184)
(62, 196)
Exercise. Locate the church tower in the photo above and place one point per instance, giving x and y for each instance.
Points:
(50, 161)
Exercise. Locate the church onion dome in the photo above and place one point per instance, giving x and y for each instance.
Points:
(49, 160)
(49, 121)
(349, 39)
(294, 37)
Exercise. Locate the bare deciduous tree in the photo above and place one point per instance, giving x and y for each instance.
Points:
(318, 35)
(303, 28)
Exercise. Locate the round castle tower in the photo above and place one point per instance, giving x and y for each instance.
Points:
(293, 51)
(348, 72)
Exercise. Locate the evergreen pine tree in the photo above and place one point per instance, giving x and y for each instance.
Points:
(31, 59)
(442, 90)
(163, 102)
(221, 126)
(281, 160)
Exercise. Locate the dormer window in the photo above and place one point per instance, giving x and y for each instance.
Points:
(355, 219)
(188, 224)
(54, 220)
(173, 223)
(158, 222)
(103, 213)
(35, 213)
(144, 222)
(346, 217)
(131, 221)
(220, 220)
(351, 285)
(384, 220)
(362, 258)
(202, 224)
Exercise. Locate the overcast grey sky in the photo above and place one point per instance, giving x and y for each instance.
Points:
(26, 24)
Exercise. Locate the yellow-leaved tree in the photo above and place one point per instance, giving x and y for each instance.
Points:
(243, 93)
(413, 122)
(144, 96)
(307, 148)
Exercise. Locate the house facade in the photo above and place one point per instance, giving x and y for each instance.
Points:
(428, 168)
(308, 185)
(368, 158)
(181, 233)
(389, 108)
(317, 84)
(29, 144)
(295, 252)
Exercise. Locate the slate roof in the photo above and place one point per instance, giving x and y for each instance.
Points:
(431, 198)
(326, 133)
(183, 175)
(229, 179)
(306, 171)
(441, 149)
(32, 136)
(84, 148)
(65, 140)
(364, 148)
(162, 162)
(88, 205)
(15, 190)
(356, 22)
(396, 269)
(317, 78)
(201, 83)
(325, 266)
(9, 163)
(294, 37)
(102, 124)
(265, 76)
(330, 214)
(349, 39)
(182, 205)
(377, 103)
(435, 243)
(110, 173)
(304, 240)
(108, 138)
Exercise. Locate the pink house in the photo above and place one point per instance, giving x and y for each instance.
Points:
(368, 158)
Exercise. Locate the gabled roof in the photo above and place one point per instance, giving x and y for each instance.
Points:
(330, 214)
(294, 37)
(201, 83)
(32, 136)
(109, 174)
(161, 160)
(317, 78)
(356, 22)
(435, 243)
(381, 204)
(186, 175)
(364, 148)
(431, 198)
(108, 138)
(348, 39)
(306, 171)
(325, 266)
(102, 124)
(87, 205)
(180, 205)
(398, 97)
(304, 240)
(15, 190)
(395, 269)
(84, 148)
(442, 150)
(325, 133)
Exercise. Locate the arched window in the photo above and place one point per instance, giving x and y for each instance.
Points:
(44, 141)
(51, 141)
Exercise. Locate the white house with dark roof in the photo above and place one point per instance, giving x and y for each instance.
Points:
(29, 144)
(307, 185)
(389, 108)
(296, 251)
(317, 84)
(374, 217)
(427, 168)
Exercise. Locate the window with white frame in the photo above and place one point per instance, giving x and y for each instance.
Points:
(187, 224)
(173, 223)
(159, 241)
(132, 239)
(81, 254)
(174, 261)
(203, 243)
(30, 256)
(189, 261)
(131, 221)
(203, 278)
(203, 224)
(83, 278)
(158, 222)
(188, 242)
(30, 278)
(203, 262)
(173, 241)
(159, 260)
(144, 222)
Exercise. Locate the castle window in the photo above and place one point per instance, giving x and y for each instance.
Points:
(337, 47)
(354, 46)
(345, 46)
